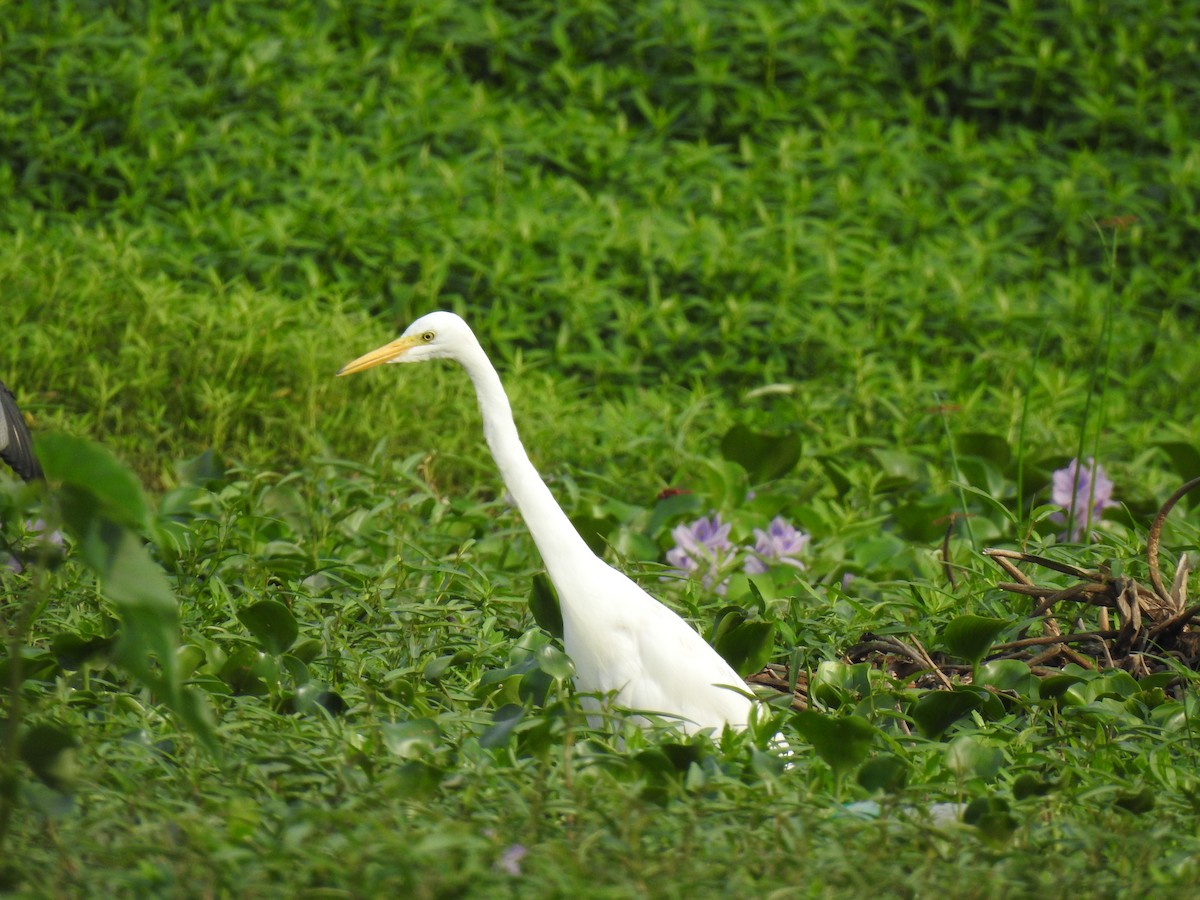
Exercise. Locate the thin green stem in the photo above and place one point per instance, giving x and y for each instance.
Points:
(18, 633)
(958, 477)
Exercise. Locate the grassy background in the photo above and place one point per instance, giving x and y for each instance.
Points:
(904, 232)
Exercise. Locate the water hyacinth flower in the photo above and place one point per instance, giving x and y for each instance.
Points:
(510, 860)
(703, 548)
(782, 543)
(1083, 493)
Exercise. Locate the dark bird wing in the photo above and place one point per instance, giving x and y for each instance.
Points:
(16, 445)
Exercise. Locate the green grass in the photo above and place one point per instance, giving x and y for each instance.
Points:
(886, 230)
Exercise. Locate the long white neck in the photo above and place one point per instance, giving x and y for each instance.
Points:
(560, 545)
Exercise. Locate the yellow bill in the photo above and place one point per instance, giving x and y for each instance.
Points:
(383, 354)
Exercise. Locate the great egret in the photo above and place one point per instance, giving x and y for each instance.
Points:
(16, 446)
(620, 638)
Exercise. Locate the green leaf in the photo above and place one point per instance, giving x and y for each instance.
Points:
(439, 666)
(412, 739)
(886, 773)
(1056, 685)
(247, 671)
(765, 457)
(308, 650)
(1185, 458)
(206, 470)
(1137, 802)
(901, 468)
(534, 686)
(972, 757)
(986, 446)
(835, 682)
(991, 816)
(936, 711)
(594, 531)
(272, 625)
(49, 751)
(836, 474)
(543, 603)
(970, 637)
(842, 742)
(1008, 675)
(745, 644)
(671, 507)
(555, 662)
(84, 466)
(73, 650)
(1026, 785)
(504, 720)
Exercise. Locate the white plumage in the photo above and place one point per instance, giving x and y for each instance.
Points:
(620, 638)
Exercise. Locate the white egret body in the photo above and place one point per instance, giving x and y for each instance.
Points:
(620, 638)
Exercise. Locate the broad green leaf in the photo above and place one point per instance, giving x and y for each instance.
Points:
(1137, 801)
(986, 446)
(671, 507)
(504, 720)
(272, 625)
(1008, 675)
(970, 636)
(86, 466)
(1157, 680)
(205, 470)
(745, 645)
(247, 671)
(411, 739)
(1026, 785)
(594, 531)
(1056, 685)
(308, 650)
(417, 779)
(535, 686)
(73, 650)
(836, 682)
(683, 756)
(765, 457)
(900, 467)
(1185, 458)
(439, 666)
(1116, 683)
(295, 669)
(49, 751)
(836, 474)
(543, 603)
(936, 711)
(973, 757)
(843, 742)
(925, 520)
(991, 816)
(886, 773)
(555, 662)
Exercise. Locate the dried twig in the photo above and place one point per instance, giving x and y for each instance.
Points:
(1155, 535)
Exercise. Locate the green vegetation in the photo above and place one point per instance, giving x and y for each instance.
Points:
(877, 267)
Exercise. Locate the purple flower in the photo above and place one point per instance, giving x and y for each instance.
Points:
(780, 543)
(1083, 494)
(510, 859)
(702, 547)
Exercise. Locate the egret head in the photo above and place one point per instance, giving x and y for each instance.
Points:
(438, 335)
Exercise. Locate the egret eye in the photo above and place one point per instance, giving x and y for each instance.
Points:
(427, 336)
